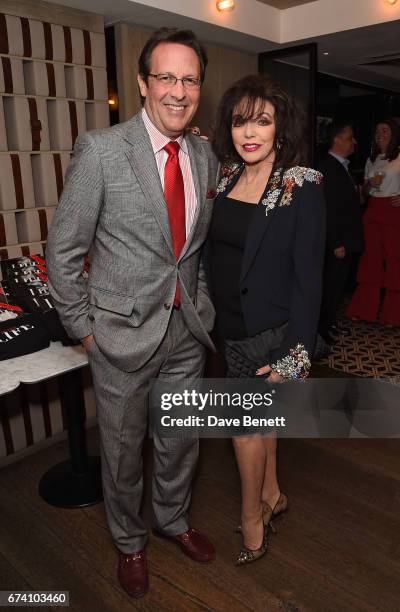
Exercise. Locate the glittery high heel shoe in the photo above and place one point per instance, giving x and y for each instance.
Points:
(248, 555)
(277, 511)
(271, 513)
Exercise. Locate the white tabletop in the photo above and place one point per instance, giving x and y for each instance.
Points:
(7, 383)
(42, 365)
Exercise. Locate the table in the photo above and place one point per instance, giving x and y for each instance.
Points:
(75, 483)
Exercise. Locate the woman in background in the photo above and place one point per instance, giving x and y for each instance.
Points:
(379, 265)
(265, 258)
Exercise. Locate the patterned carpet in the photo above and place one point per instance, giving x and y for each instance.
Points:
(370, 350)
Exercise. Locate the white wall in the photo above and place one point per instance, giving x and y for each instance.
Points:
(329, 16)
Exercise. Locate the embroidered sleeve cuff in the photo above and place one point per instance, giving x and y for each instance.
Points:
(294, 366)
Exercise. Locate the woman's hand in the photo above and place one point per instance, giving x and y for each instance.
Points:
(273, 377)
(193, 129)
(395, 201)
(375, 181)
(339, 252)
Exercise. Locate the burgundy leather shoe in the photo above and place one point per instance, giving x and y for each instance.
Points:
(132, 573)
(193, 543)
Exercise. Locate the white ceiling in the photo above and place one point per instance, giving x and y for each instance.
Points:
(348, 50)
(369, 55)
(284, 4)
(355, 54)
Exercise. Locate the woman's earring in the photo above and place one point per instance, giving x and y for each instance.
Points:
(279, 143)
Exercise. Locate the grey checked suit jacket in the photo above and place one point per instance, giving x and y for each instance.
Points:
(113, 204)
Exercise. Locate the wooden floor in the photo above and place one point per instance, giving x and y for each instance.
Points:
(337, 549)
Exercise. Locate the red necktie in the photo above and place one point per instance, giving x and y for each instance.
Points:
(175, 198)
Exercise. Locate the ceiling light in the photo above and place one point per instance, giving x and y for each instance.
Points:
(326, 52)
(225, 5)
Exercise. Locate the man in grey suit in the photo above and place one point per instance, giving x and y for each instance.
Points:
(143, 206)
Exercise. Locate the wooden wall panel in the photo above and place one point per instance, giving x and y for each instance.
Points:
(16, 424)
(129, 41)
(211, 91)
(36, 412)
(225, 67)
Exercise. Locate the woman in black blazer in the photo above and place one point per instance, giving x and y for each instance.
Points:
(264, 261)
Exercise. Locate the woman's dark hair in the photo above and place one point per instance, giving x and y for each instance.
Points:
(171, 35)
(253, 91)
(393, 148)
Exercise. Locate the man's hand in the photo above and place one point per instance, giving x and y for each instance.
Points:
(87, 342)
(339, 252)
(273, 377)
(395, 201)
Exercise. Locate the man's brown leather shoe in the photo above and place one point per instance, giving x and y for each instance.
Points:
(132, 573)
(193, 543)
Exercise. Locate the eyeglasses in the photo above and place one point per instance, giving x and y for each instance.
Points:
(170, 80)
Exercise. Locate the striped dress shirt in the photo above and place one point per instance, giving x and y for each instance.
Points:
(158, 142)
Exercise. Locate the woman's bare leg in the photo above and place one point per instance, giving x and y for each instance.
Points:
(251, 459)
(270, 487)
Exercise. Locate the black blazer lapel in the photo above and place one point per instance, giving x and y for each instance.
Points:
(261, 221)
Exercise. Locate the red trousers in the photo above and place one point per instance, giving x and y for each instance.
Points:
(379, 265)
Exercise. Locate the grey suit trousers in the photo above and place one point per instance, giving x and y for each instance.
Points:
(122, 409)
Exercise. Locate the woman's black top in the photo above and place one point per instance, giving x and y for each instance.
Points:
(228, 231)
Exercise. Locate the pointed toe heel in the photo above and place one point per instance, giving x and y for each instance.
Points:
(247, 555)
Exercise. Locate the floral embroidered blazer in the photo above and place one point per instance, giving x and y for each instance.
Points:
(281, 275)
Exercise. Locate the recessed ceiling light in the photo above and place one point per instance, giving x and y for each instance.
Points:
(225, 5)
(326, 52)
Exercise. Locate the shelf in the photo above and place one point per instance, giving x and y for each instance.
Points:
(35, 152)
(38, 152)
(38, 59)
(18, 210)
(39, 97)
(24, 66)
(24, 244)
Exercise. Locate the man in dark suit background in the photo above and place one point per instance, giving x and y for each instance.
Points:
(344, 224)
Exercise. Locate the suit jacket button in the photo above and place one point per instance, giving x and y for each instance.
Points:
(244, 291)
(167, 306)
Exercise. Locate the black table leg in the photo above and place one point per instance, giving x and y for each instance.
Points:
(75, 483)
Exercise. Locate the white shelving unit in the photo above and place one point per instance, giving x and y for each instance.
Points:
(53, 86)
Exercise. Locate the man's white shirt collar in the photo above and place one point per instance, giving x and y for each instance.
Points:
(158, 139)
(342, 160)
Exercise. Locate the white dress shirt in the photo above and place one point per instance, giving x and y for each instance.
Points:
(390, 185)
(158, 142)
